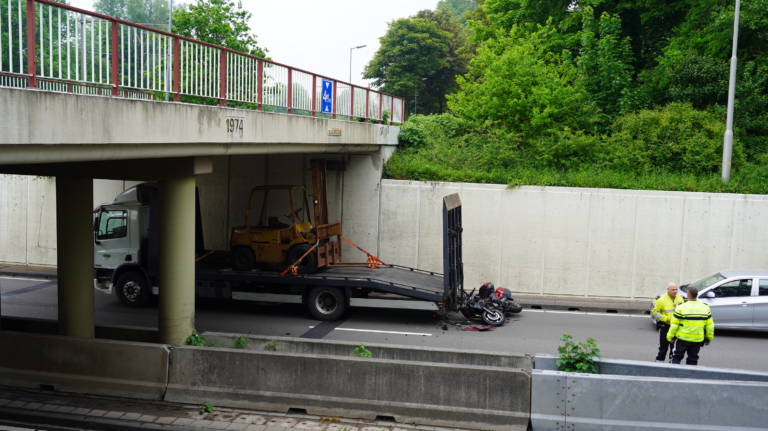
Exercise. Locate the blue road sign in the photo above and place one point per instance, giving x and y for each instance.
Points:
(327, 106)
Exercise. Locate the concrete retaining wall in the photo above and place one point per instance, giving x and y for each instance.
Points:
(576, 241)
(425, 393)
(378, 351)
(101, 367)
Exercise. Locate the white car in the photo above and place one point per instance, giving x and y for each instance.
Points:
(738, 298)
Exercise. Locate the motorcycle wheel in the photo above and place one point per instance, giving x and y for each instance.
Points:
(512, 307)
(493, 316)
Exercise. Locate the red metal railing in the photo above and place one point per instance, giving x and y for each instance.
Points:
(57, 47)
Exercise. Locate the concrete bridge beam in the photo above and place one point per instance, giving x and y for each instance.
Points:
(74, 235)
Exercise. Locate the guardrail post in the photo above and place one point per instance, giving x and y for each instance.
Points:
(115, 60)
(31, 49)
(314, 95)
(290, 91)
(260, 85)
(351, 103)
(176, 68)
(335, 98)
(223, 78)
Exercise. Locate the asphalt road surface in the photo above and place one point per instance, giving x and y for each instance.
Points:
(619, 336)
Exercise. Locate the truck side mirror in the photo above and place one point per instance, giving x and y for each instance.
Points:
(96, 238)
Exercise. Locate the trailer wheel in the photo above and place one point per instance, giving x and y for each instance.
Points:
(243, 259)
(132, 289)
(308, 265)
(326, 303)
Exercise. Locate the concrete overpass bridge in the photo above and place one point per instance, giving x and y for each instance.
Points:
(82, 98)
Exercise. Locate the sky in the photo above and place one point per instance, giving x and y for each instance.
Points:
(316, 35)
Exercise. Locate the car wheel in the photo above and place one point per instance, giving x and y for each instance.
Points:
(132, 289)
(326, 303)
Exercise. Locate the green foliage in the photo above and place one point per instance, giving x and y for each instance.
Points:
(220, 22)
(240, 342)
(271, 346)
(206, 408)
(419, 58)
(198, 340)
(576, 356)
(362, 352)
(516, 84)
(676, 137)
(139, 11)
(457, 8)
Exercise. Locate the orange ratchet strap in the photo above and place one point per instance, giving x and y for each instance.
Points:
(372, 261)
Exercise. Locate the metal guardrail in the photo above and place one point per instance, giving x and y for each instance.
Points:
(57, 47)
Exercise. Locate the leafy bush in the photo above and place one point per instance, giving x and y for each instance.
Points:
(676, 137)
(362, 352)
(577, 357)
(413, 132)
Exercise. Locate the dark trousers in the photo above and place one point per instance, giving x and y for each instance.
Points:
(664, 345)
(682, 347)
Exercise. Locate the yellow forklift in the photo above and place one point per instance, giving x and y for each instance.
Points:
(275, 241)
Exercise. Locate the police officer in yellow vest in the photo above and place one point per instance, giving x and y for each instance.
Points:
(663, 309)
(693, 327)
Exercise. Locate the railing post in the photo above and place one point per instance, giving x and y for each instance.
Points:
(391, 109)
(351, 103)
(290, 91)
(260, 85)
(381, 106)
(367, 103)
(115, 60)
(176, 69)
(223, 78)
(335, 98)
(31, 48)
(314, 95)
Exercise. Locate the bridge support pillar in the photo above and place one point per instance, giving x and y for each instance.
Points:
(177, 260)
(74, 238)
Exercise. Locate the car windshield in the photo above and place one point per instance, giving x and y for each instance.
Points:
(707, 281)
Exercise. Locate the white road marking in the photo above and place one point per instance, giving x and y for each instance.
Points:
(26, 279)
(586, 313)
(379, 332)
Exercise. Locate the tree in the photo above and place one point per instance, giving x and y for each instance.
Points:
(412, 49)
(457, 7)
(517, 84)
(138, 11)
(220, 22)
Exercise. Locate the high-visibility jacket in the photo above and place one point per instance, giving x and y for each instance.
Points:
(664, 307)
(692, 322)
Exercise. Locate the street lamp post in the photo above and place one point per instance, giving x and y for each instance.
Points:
(350, 60)
(728, 138)
(416, 95)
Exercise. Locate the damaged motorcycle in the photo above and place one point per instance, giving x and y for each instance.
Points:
(490, 304)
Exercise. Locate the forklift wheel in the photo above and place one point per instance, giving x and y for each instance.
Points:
(243, 259)
(327, 303)
(307, 265)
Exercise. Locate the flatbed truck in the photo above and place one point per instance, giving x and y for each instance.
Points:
(126, 263)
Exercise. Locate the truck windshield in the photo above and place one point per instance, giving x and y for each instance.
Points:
(112, 225)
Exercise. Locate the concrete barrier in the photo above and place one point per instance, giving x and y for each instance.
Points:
(102, 332)
(658, 369)
(635, 395)
(378, 351)
(414, 392)
(565, 401)
(101, 367)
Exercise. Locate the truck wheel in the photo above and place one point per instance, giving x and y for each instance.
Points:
(326, 303)
(308, 265)
(132, 289)
(243, 259)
